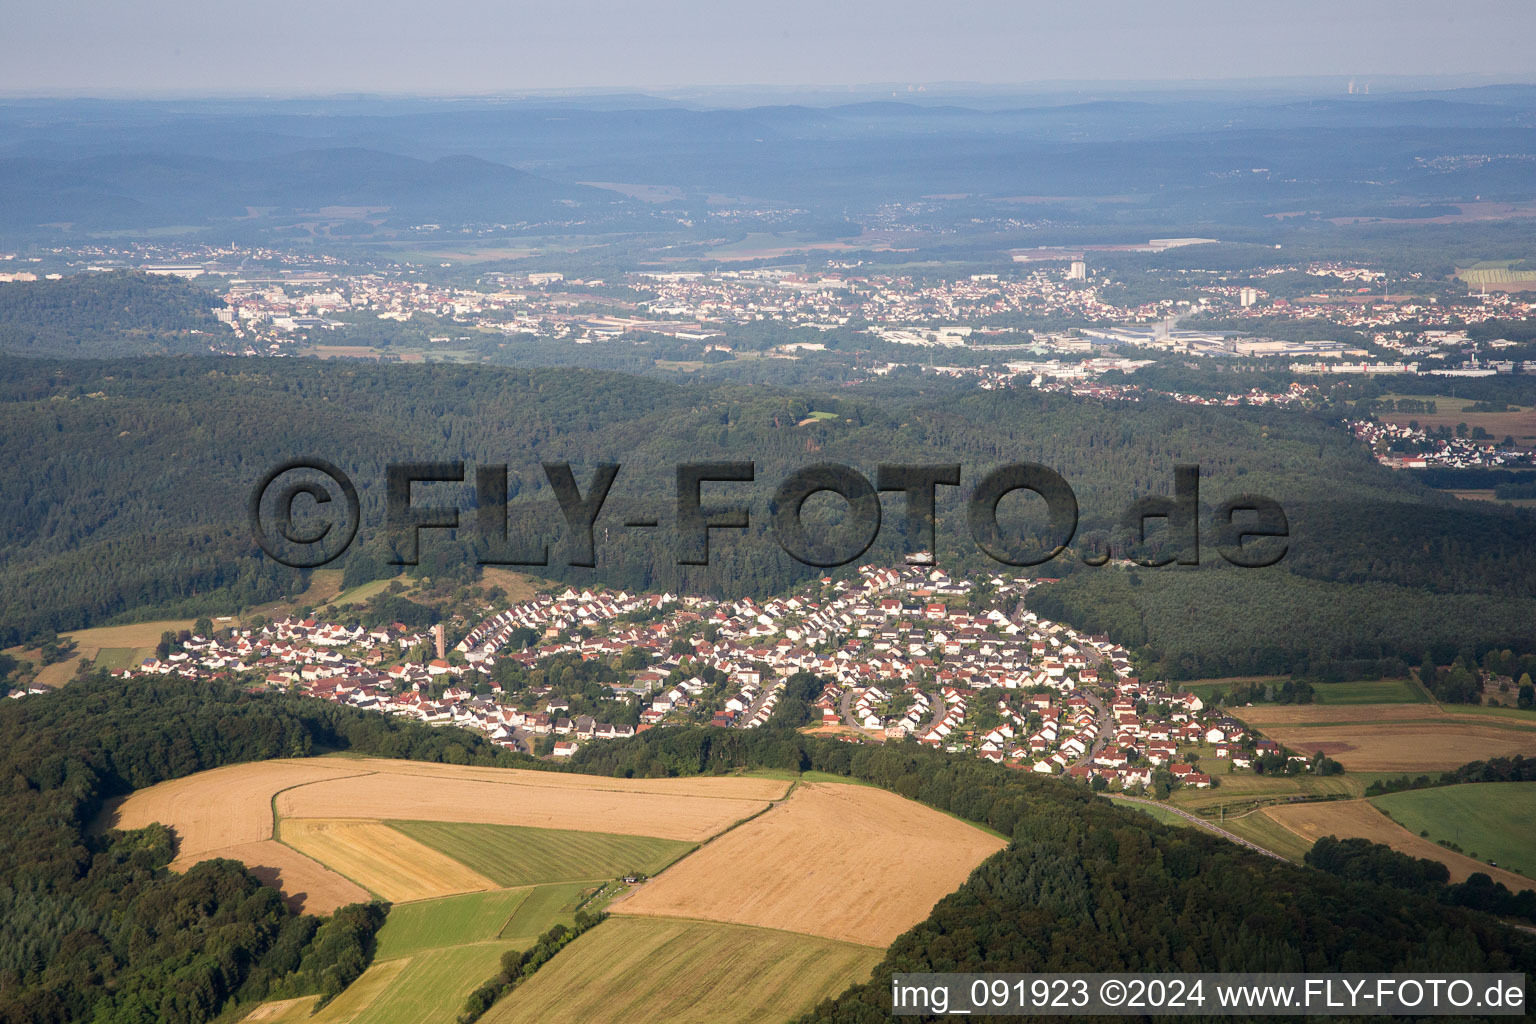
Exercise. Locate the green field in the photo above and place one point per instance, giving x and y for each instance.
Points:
(360, 593)
(661, 971)
(1363, 691)
(450, 921)
(514, 855)
(121, 657)
(1369, 691)
(545, 907)
(1259, 828)
(1205, 688)
(431, 954)
(1495, 820)
(1241, 791)
(1162, 814)
(434, 984)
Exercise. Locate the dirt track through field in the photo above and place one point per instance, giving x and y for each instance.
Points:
(537, 799)
(845, 862)
(228, 812)
(225, 807)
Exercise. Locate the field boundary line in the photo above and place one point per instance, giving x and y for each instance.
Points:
(277, 838)
(739, 924)
(530, 783)
(684, 856)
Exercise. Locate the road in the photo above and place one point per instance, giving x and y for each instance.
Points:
(1101, 716)
(1196, 820)
(753, 708)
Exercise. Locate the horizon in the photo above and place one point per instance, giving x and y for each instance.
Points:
(1052, 92)
(468, 47)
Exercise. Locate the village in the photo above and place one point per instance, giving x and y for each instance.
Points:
(904, 654)
(1412, 447)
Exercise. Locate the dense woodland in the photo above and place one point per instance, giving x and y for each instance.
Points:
(1361, 860)
(117, 313)
(93, 926)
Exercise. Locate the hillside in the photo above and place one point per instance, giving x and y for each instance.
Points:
(138, 190)
(112, 315)
(152, 520)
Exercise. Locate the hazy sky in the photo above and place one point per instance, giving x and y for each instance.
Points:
(474, 46)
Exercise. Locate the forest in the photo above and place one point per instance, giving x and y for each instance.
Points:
(109, 314)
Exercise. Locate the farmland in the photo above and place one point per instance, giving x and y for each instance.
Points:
(1519, 422)
(392, 866)
(828, 861)
(229, 812)
(432, 954)
(103, 646)
(1395, 737)
(1369, 691)
(652, 970)
(1495, 820)
(836, 872)
(1241, 790)
(1161, 814)
(512, 855)
(536, 799)
(870, 862)
(450, 921)
(224, 807)
(1358, 819)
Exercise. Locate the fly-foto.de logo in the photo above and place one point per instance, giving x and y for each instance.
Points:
(306, 512)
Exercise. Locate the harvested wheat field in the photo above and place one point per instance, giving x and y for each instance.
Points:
(844, 862)
(436, 797)
(721, 787)
(388, 863)
(1340, 715)
(1407, 746)
(228, 812)
(214, 810)
(1357, 819)
(307, 885)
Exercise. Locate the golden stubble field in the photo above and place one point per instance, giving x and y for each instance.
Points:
(1358, 819)
(1392, 737)
(844, 862)
(537, 799)
(381, 859)
(229, 812)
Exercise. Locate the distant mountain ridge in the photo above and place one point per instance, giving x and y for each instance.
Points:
(147, 188)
